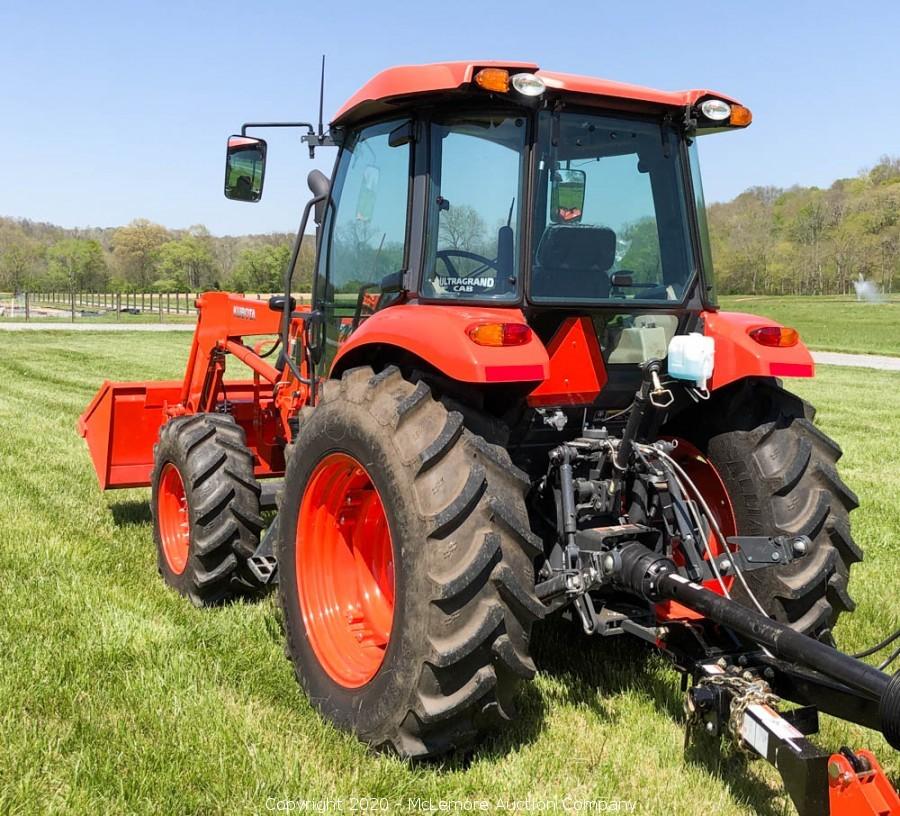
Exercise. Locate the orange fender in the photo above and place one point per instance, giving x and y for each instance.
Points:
(738, 355)
(437, 334)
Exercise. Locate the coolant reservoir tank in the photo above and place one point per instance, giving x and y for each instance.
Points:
(691, 357)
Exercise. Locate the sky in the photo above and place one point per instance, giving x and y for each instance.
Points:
(120, 110)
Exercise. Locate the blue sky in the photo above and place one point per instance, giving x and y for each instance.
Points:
(118, 110)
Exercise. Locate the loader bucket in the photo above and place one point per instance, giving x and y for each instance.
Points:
(121, 425)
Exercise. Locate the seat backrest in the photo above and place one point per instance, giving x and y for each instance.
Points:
(573, 261)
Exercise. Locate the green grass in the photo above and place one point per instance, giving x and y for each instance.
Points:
(830, 323)
(116, 696)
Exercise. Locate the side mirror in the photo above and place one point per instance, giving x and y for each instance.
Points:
(392, 283)
(567, 196)
(245, 168)
(277, 303)
(319, 185)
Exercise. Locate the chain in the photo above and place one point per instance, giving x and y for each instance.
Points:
(744, 692)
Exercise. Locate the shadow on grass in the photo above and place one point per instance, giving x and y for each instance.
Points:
(592, 671)
(130, 513)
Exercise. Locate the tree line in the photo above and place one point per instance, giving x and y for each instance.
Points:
(767, 240)
(811, 241)
(144, 257)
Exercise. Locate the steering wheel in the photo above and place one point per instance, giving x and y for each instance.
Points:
(486, 263)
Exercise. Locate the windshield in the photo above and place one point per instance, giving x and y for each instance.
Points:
(610, 211)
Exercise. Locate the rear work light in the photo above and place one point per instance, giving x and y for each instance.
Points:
(528, 84)
(776, 336)
(717, 110)
(499, 334)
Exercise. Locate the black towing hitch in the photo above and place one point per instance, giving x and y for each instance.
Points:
(655, 578)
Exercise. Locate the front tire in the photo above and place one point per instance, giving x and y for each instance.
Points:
(205, 507)
(460, 580)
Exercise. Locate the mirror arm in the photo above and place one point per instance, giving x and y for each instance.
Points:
(247, 125)
(311, 138)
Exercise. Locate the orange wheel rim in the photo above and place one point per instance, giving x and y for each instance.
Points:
(709, 482)
(345, 570)
(174, 518)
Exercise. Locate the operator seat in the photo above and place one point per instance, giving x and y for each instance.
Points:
(573, 262)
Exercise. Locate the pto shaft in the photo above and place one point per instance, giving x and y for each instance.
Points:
(655, 578)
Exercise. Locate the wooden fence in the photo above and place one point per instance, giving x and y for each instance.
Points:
(112, 305)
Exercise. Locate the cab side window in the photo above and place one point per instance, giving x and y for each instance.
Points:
(368, 232)
(366, 228)
(476, 172)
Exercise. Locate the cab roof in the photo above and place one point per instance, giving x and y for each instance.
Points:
(391, 86)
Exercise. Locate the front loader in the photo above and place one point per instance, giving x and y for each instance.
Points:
(512, 396)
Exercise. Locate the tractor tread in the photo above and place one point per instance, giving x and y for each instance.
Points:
(455, 513)
(435, 708)
(472, 569)
(454, 582)
(409, 403)
(215, 575)
(204, 471)
(500, 458)
(839, 533)
(449, 650)
(513, 523)
(782, 477)
(520, 664)
(512, 589)
(453, 427)
(223, 497)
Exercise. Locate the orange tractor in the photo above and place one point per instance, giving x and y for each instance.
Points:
(512, 396)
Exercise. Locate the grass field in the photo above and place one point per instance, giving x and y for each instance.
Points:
(116, 696)
(830, 323)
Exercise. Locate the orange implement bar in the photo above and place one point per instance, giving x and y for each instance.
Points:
(868, 793)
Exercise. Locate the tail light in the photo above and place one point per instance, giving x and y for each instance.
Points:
(499, 334)
(493, 79)
(776, 336)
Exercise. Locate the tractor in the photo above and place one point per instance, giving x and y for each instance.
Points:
(511, 397)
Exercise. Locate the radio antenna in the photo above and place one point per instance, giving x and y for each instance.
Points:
(322, 99)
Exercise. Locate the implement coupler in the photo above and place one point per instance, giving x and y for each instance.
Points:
(740, 693)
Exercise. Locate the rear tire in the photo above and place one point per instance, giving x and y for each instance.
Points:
(781, 474)
(202, 463)
(463, 578)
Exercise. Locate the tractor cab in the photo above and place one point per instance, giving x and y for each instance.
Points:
(502, 186)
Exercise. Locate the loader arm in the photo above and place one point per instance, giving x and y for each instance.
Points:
(121, 424)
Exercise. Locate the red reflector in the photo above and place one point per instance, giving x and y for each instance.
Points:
(513, 373)
(791, 369)
(499, 334)
(776, 336)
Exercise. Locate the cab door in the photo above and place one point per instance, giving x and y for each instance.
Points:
(366, 231)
